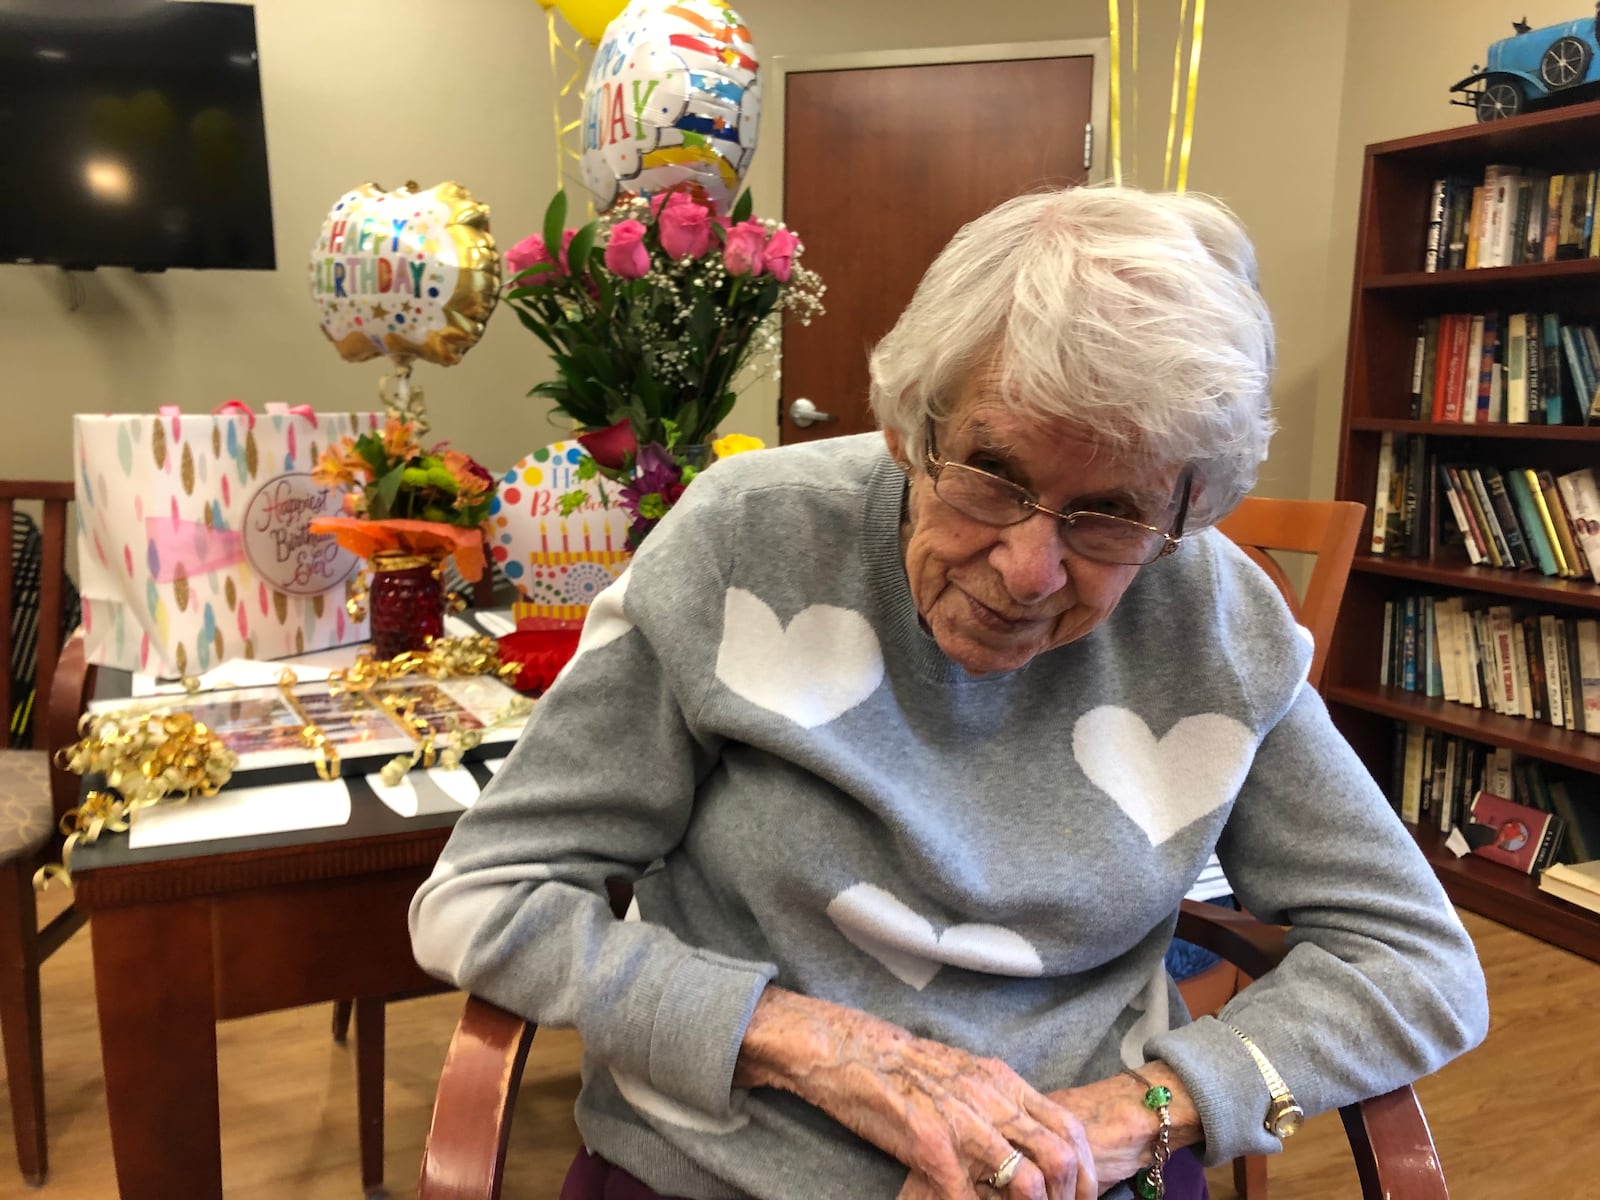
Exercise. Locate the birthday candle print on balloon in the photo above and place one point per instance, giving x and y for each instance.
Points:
(409, 274)
(673, 98)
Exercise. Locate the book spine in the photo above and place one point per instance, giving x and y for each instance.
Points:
(1500, 553)
(1458, 509)
(1380, 493)
(1589, 671)
(1528, 518)
(1550, 369)
(1582, 495)
(1577, 562)
(1546, 520)
(1555, 710)
(1507, 517)
(1436, 220)
(1517, 369)
(1555, 197)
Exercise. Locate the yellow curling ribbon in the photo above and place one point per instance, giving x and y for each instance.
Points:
(146, 757)
(326, 756)
(1116, 91)
(1177, 91)
(1133, 138)
(1194, 89)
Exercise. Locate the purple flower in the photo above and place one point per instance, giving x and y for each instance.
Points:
(654, 471)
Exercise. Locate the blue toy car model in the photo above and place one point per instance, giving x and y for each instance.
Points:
(1554, 65)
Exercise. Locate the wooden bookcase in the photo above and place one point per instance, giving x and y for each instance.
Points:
(1391, 295)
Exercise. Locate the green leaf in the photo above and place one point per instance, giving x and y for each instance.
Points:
(370, 447)
(388, 490)
(578, 252)
(555, 219)
(571, 502)
(587, 468)
(743, 207)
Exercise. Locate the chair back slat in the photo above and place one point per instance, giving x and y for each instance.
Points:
(1328, 529)
(7, 564)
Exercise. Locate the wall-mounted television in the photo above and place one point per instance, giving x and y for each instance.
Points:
(131, 135)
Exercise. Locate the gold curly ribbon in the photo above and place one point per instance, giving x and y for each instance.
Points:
(146, 758)
(1196, 34)
(153, 755)
(1114, 13)
(402, 398)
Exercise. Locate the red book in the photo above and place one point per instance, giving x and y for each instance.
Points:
(1448, 323)
(1513, 834)
(1455, 366)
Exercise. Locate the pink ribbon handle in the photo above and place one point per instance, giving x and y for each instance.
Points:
(235, 408)
(297, 410)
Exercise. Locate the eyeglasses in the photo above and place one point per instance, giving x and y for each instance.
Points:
(1102, 537)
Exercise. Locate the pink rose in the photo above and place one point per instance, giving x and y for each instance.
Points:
(626, 255)
(747, 243)
(610, 447)
(530, 252)
(685, 228)
(779, 255)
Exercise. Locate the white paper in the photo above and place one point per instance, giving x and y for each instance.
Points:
(242, 812)
(496, 622)
(1456, 843)
(249, 672)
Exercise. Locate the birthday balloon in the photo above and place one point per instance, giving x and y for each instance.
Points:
(589, 17)
(673, 99)
(411, 274)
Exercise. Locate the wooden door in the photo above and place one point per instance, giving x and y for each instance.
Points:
(881, 167)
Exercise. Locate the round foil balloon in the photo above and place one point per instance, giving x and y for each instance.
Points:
(674, 98)
(408, 273)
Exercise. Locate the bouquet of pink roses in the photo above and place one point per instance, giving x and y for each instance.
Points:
(650, 313)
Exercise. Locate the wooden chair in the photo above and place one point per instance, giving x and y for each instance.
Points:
(34, 794)
(464, 1158)
(1260, 527)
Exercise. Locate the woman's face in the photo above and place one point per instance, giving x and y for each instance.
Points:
(994, 597)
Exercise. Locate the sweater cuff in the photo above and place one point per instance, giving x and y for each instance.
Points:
(699, 1026)
(1226, 1085)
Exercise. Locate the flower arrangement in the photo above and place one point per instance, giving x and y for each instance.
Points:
(650, 313)
(402, 498)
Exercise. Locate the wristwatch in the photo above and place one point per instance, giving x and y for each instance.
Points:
(1284, 1116)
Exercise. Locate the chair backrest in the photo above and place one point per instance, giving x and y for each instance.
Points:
(25, 623)
(1328, 529)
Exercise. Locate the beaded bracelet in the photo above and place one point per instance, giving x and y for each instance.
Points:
(1149, 1182)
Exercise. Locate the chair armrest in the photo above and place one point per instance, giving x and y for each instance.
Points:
(70, 688)
(465, 1155)
(1393, 1148)
(1240, 938)
(1389, 1136)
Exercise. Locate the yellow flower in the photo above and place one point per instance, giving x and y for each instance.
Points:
(736, 443)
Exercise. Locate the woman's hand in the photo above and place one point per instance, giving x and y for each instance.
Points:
(949, 1116)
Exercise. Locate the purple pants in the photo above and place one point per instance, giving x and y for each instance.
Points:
(592, 1178)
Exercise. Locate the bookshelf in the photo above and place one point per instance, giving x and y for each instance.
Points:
(1391, 295)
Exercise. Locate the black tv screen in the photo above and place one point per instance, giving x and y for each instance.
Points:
(131, 135)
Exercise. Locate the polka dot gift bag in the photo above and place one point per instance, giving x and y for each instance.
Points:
(194, 544)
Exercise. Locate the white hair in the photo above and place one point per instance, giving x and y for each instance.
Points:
(1134, 314)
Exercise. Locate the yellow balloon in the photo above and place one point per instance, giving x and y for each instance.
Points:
(590, 17)
(547, 5)
(409, 273)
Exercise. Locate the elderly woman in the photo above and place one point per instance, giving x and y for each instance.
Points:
(912, 743)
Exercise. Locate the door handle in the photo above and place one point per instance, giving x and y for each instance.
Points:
(803, 413)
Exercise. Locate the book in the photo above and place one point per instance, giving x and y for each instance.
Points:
(1436, 227)
(1517, 369)
(1589, 671)
(1380, 493)
(1551, 375)
(1545, 520)
(1581, 493)
(1516, 548)
(1577, 563)
(1538, 543)
(1583, 821)
(1577, 884)
(1458, 509)
(1513, 835)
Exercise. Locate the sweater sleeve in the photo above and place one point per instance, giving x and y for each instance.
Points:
(1381, 984)
(600, 785)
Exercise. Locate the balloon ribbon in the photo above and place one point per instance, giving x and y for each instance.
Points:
(1115, 17)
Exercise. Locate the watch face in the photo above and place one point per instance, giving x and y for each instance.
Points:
(1286, 1121)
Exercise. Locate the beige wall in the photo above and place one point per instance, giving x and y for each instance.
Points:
(397, 89)
(1401, 59)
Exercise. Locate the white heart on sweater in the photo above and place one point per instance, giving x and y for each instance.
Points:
(1163, 784)
(824, 664)
(883, 926)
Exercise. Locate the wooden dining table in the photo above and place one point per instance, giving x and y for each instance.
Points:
(190, 933)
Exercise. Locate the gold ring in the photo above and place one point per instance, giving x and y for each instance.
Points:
(1006, 1171)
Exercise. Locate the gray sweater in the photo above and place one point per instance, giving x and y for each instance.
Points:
(759, 732)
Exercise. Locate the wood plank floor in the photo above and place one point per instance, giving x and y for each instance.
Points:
(1509, 1119)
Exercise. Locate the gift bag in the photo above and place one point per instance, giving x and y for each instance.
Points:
(193, 546)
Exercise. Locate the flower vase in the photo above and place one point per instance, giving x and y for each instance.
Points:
(405, 601)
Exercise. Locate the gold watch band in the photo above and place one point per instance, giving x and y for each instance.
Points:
(1284, 1115)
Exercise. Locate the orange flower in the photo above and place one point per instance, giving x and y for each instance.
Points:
(472, 481)
(399, 441)
(336, 468)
